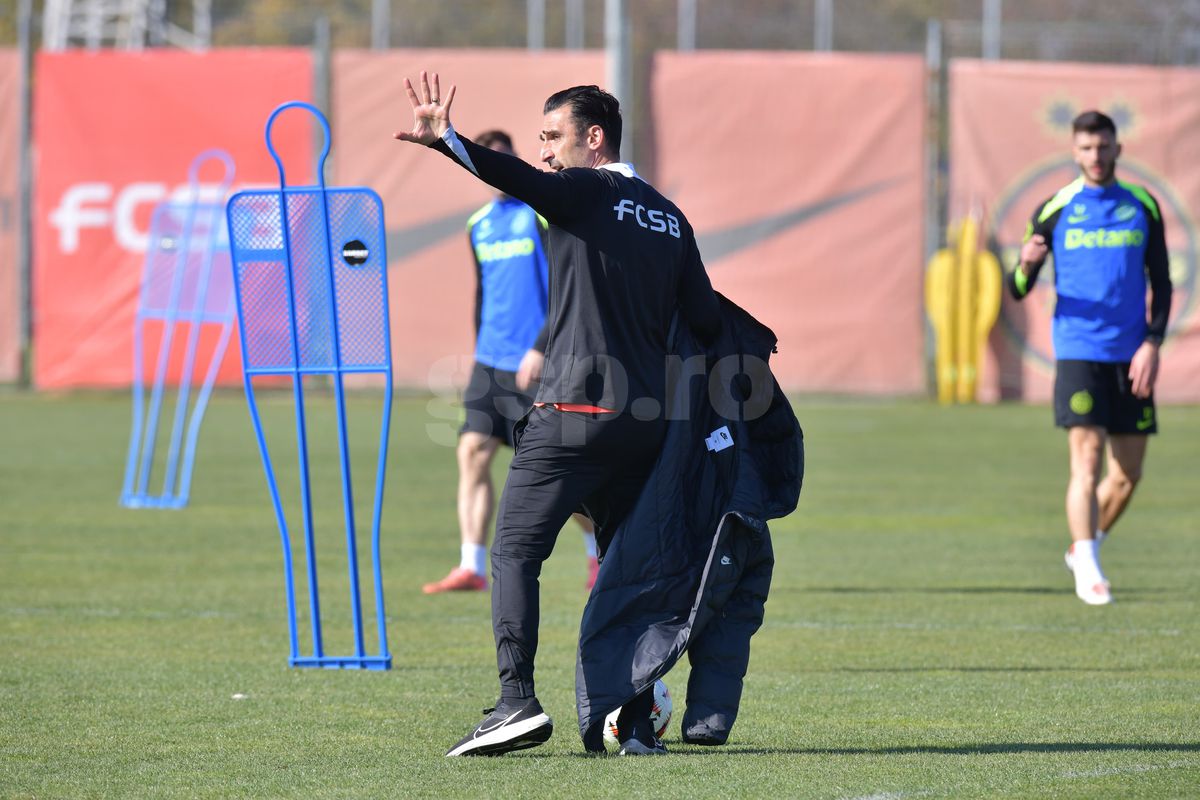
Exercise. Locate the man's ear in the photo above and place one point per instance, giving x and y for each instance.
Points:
(595, 138)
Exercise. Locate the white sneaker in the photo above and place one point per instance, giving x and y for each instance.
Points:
(1069, 560)
(1091, 586)
(1094, 593)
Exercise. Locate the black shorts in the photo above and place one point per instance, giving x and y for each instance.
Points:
(1099, 393)
(492, 403)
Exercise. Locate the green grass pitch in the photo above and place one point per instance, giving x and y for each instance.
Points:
(921, 637)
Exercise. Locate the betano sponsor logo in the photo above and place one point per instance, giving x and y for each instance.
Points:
(1102, 238)
(488, 252)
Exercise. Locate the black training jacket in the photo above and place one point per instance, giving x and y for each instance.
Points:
(623, 258)
(690, 567)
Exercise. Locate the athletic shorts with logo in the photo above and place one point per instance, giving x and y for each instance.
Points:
(492, 403)
(1100, 393)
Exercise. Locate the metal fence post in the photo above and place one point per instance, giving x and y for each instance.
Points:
(618, 68)
(25, 192)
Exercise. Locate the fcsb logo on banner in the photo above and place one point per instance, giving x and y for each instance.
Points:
(107, 158)
(1027, 324)
(120, 212)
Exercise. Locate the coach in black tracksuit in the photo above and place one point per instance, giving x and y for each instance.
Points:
(623, 258)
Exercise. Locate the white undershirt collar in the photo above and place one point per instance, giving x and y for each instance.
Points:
(622, 168)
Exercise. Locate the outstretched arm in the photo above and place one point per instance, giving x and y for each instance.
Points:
(557, 196)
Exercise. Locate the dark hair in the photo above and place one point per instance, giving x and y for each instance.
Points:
(489, 138)
(1094, 122)
(591, 105)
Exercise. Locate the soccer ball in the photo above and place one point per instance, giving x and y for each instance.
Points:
(660, 715)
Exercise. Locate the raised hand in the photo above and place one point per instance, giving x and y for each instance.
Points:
(431, 111)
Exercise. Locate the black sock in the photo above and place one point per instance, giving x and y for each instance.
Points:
(633, 713)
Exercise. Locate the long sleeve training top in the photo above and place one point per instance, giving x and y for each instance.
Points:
(622, 258)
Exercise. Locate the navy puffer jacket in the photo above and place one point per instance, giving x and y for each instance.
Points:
(690, 567)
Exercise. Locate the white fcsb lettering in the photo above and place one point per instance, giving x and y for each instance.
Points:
(91, 205)
(649, 218)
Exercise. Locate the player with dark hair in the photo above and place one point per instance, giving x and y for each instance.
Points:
(508, 243)
(1107, 236)
(589, 105)
(623, 259)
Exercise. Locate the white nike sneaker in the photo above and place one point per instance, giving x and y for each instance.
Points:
(506, 728)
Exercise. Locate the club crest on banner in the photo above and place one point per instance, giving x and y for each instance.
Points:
(1060, 111)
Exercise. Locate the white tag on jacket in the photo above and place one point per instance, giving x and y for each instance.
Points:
(719, 439)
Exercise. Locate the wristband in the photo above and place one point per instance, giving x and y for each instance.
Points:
(1021, 280)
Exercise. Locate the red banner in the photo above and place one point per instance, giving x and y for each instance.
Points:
(1010, 134)
(814, 225)
(428, 198)
(802, 175)
(10, 283)
(116, 134)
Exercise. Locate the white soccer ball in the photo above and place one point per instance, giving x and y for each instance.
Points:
(660, 715)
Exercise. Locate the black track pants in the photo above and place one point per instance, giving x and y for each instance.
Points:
(564, 461)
